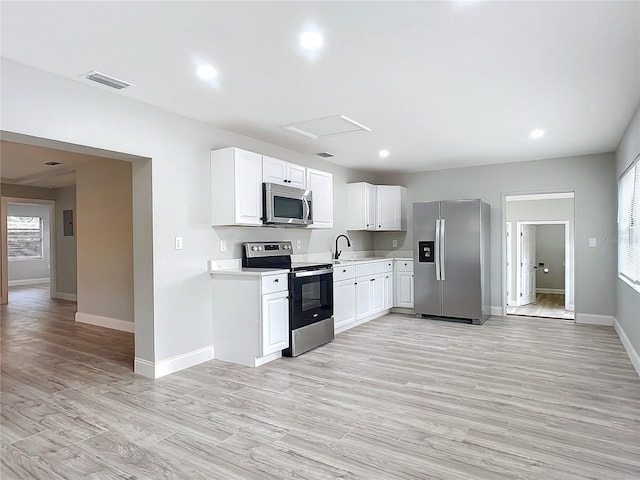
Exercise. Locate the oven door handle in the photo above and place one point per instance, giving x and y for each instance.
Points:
(311, 273)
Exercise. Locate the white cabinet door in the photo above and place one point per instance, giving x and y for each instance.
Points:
(388, 204)
(388, 291)
(248, 188)
(275, 322)
(370, 206)
(321, 186)
(296, 176)
(344, 303)
(404, 290)
(377, 293)
(363, 297)
(274, 170)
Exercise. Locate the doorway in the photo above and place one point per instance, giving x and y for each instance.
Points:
(538, 263)
(29, 259)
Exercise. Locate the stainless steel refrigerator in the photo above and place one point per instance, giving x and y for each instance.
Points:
(452, 259)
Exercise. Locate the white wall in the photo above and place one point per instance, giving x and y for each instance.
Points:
(171, 195)
(591, 177)
(550, 251)
(627, 299)
(105, 239)
(66, 259)
(31, 271)
(559, 209)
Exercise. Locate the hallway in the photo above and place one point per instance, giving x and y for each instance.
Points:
(547, 305)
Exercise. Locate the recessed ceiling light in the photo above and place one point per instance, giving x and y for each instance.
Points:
(384, 153)
(207, 72)
(537, 133)
(311, 40)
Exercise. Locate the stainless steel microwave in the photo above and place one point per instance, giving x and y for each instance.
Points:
(286, 206)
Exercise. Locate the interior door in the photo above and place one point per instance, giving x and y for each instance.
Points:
(461, 274)
(527, 264)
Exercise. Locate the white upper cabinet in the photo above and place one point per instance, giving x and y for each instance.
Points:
(376, 207)
(321, 186)
(361, 206)
(236, 187)
(283, 173)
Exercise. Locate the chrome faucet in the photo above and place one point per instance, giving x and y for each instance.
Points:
(337, 254)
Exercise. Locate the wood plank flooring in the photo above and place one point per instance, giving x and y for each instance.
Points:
(548, 305)
(395, 398)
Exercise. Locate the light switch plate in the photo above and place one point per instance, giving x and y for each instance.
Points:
(223, 245)
(298, 244)
(394, 243)
(593, 242)
(178, 243)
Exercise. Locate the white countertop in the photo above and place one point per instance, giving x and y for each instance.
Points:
(234, 266)
(260, 272)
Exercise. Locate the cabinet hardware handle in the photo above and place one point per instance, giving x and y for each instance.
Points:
(355, 283)
(372, 280)
(387, 276)
(276, 280)
(344, 271)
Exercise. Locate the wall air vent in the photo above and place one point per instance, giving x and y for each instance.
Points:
(106, 80)
(325, 154)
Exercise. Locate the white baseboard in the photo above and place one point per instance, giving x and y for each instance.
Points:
(267, 358)
(557, 291)
(626, 343)
(593, 319)
(496, 311)
(144, 368)
(172, 364)
(30, 281)
(72, 297)
(113, 323)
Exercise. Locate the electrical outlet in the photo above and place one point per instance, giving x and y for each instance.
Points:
(223, 245)
(394, 243)
(298, 244)
(593, 243)
(178, 243)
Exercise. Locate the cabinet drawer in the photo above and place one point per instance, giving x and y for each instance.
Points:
(404, 266)
(343, 272)
(275, 283)
(367, 269)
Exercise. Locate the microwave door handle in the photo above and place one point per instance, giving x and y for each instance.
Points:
(306, 210)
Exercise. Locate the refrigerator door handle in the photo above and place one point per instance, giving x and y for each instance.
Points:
(437, 252)
(443, 266)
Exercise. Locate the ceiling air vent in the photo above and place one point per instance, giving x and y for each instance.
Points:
(106, 80)
(325, 154)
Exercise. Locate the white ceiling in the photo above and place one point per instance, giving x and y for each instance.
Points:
(441, 84)
(22, 164)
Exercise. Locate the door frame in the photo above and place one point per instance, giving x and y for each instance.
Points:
(510, 299)
(4, 281)
(568, 260)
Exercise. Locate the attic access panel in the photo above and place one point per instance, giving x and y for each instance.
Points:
(327, 126)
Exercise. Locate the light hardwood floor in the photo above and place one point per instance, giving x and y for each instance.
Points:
(395, 398)
(548, 305)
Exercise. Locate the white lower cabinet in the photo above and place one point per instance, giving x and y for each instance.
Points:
(275, 322)
(377, 293)
(250, 317)
(363, 298)
(344, 303)
(404, 289)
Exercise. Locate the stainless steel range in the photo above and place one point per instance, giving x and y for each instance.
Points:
(310, 294)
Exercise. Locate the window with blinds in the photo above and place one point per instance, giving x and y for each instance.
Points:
(24, 238)
(629, 226)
